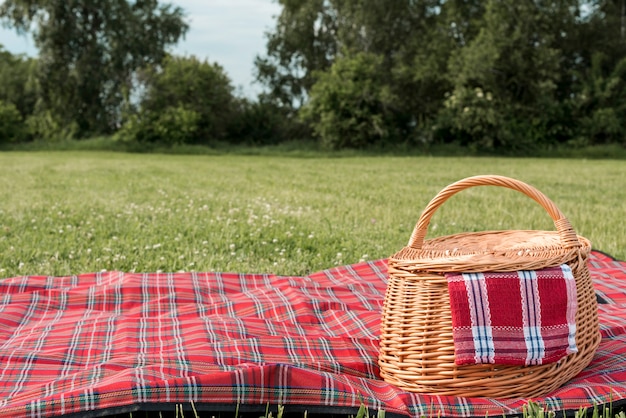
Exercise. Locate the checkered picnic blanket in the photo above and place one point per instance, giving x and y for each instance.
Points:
(105, 341)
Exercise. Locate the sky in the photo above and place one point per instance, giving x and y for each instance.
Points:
(229, 32)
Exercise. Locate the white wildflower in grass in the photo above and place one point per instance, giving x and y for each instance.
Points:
(326, 207)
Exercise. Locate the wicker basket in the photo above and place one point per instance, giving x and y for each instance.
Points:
(416, 344)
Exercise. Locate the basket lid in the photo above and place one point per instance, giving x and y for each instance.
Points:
(491, 251)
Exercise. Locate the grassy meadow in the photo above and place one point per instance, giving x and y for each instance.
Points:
(73, 212)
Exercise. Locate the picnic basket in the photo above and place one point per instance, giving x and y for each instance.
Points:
(416, 343)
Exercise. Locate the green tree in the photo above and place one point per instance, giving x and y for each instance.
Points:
(414, 40)
(303, 42)
(89, 52)
(350, 105)
(414, 49)
(604, 30)
(497, 74)
(17, 84)
(11, 124)
(506, 80)
(261, 122)
(598, 94)
(194, 95)
(600, 106)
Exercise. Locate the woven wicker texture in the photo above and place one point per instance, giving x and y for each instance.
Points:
(416, 344)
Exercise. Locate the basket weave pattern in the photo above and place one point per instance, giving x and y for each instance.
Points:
(416, 343)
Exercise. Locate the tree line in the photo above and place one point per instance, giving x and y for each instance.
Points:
(487, 74)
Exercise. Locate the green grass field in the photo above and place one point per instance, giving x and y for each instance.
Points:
(72, 212)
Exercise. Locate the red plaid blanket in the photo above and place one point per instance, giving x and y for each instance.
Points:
(117, 341)
(519, 318)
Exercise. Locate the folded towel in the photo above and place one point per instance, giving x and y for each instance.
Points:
(517, 318)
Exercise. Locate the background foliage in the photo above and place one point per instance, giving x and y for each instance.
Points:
(497, 75)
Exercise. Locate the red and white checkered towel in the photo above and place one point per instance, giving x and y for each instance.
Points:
(517, 318)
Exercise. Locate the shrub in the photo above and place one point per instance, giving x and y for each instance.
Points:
(259, 123)
(601, 105)
(44, 126)
(175, 125)
(11, 125)
(350, 105)
(192, 95)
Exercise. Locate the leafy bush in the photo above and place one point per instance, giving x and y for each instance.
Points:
(175, 125)
(11, 124)
(261, 123)
(505, 94)
(350, 105)
(45, 126)
(471, 114)
(192, 95)
(601, 104)
(475, 118)
(17, 86)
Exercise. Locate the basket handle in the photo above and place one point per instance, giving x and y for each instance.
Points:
(567, 235)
